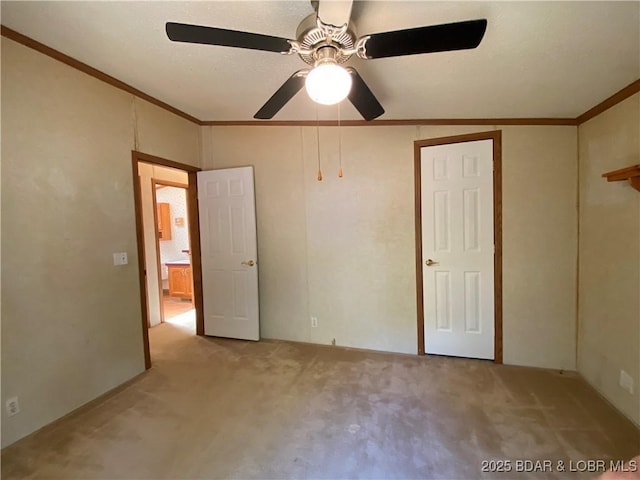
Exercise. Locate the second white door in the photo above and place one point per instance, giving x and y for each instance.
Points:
(458, 249)
(228, 243)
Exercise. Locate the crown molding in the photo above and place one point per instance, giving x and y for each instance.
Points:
(613, 100)
(399, 122)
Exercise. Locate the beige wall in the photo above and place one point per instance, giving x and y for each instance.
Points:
(540, 245)
(343, 249)
(71, 326)
(609, 306)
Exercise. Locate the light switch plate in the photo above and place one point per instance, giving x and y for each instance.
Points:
(120, 258)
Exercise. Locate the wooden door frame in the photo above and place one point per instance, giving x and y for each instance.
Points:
(194, 236)
(496, 136)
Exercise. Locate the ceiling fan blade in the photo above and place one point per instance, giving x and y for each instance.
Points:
(182, 32)
(285, 93)
(335, 12)
(363, 98)
(433, 38)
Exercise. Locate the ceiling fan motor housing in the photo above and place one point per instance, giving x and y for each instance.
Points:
(312, 35)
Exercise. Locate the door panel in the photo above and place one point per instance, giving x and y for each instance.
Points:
(226, 203)
(458, 249)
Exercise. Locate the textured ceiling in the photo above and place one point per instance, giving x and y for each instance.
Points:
(537, 59)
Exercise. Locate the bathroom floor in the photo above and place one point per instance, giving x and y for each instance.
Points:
(175, 306)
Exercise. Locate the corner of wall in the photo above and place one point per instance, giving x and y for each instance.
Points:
(205, 144)
(608, 330)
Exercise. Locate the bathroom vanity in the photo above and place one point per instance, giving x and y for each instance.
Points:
(180, 279)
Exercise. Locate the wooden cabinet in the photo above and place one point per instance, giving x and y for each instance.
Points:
(163, 215)
(180, 280)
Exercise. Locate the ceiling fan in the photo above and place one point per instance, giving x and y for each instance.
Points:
(326, 40)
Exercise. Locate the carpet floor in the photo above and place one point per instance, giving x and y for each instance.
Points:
(214, 408)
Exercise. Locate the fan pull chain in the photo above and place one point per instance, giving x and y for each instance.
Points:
(339, 144)
(318, 142)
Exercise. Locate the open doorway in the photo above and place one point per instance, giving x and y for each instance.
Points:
(155, 225)
(174, 249)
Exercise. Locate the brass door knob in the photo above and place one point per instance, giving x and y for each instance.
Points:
(249, 263)
(430, 262)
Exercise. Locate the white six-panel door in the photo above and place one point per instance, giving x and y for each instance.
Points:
(226, 202)
(458, 249)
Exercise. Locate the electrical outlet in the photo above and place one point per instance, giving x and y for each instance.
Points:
(626, 381)
(13, 407)
(314, 322)
(120, 258)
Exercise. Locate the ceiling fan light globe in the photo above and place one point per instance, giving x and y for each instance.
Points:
(328, 84)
